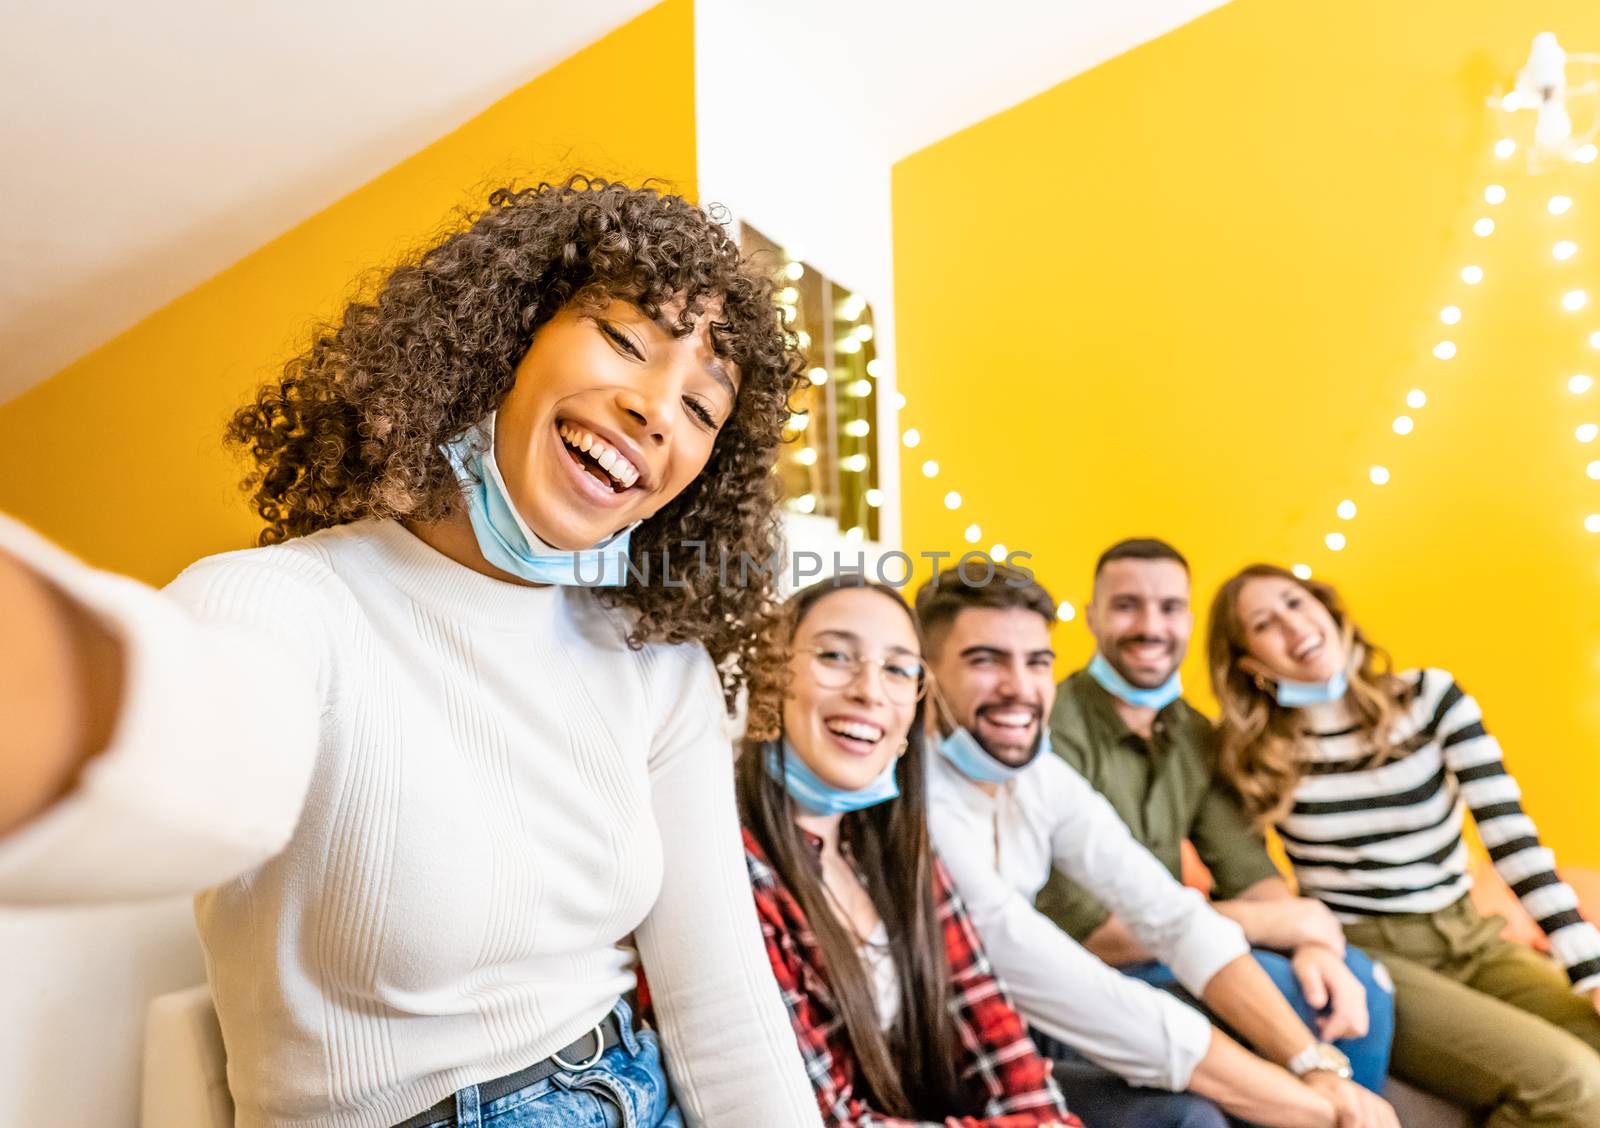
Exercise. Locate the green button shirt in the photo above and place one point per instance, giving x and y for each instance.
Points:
(1164, 788)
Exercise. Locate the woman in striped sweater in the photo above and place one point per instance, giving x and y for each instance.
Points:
(1366, 776)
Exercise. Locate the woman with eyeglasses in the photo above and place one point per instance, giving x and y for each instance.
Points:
(898, 1014)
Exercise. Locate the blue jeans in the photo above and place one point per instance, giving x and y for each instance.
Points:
(1369, 1055)
(626, 1088)
(1101, 1098)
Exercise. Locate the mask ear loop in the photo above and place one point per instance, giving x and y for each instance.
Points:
(944, 717)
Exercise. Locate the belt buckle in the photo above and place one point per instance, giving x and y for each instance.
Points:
(599, 1052)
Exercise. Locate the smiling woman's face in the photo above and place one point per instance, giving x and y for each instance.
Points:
(610, 418)
(1288, 631)
(847, 732)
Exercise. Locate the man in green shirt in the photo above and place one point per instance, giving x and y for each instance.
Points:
(1123, 724)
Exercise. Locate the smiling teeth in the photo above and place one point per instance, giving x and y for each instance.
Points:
(856, 730)
(609, 458)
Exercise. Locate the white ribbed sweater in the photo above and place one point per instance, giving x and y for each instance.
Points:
(436, 802)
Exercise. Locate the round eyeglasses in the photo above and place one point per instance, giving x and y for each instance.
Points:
(903, 677)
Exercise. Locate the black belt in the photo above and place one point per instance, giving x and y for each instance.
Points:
(575, 1058)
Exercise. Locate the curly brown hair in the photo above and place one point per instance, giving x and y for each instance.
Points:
(353, 427)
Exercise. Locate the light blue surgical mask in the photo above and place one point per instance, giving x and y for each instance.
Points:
(504, 537)
(974, 761)
(806, 788)
(1102, 671)
(1298, 695)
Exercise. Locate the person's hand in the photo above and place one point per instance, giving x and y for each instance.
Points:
(1309, 921)
(1353, 1106)
(1329, 985)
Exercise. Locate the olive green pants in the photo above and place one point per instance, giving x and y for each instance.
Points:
(1490, 1025)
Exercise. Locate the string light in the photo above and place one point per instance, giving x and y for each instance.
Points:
(1484, 227)
(930, 469)
(1335, 542)
(1416, 399)
(794, 271)
(857, 428)
(1472, 275)
(1594, 339)
(818, 376)
(875, 368)
(1592, 522)
(1301, 571)
(1586, 154)
(806, 503)
(1450, 314)
(911, 437)
(855, 463)
(1559, 205)
(851, 345)
(802, 340)
(788, 295)
(1593, 470)
(806, 456)
(952, 500)
(1066, 612)
(1580, 384)
(862, 332)
(861, 388)
(1574, 300)
(1346, 510)
(973, 534)
(1564, 250)
(998, 553)
(899, 401)
(875, 498)
(1586, 432)
(1403, 424)
(852, 307)
(854, 534)
(1379, 475)
(1505, 148)
(1494, 194)
(799, 421)
(1445, 350)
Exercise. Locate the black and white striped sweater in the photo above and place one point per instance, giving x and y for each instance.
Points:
(1372, 841)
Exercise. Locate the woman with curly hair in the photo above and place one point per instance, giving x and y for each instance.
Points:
(898, 1013)
(455, 730)
(1367, 776)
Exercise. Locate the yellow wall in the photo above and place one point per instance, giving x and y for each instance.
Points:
(119, 456)
(1185, 294)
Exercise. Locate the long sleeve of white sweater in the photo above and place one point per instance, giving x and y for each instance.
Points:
(422, 809)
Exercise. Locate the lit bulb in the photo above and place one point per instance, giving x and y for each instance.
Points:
(899, 401)
(806, 503)
(1403, 424)
(1586, 154)
(875, 367)
(930, 469)
(952, 500)
(1450, 314)
(1592, 522)
(1346, 510)
(1586, 432)
(1416, 399)
(1559, 205)
(854, 534)
(862, 333)
(856, 463)
(874, 498)
(789, 314)
(1444, 350)
(1066, 612)
(1504, 147)
(788, 295)
(1594, 339)
(912, 437)
(861, 388)
(1379, 475)
(850, 345)
(973, 534)
(1593, 470)
(1494, 194)
(857, 428)
(794, 271)
(1472, 275)
(1564, 250)
(799, 421)
(1334, 541)
(818, 375)
(1574, 300)
(1301, 571)
(1511, 103)
(802, 340)
(1580, 384)
(852, 307)
(806, 456)
(1483, 227)
(1554, 126)
(998, 553)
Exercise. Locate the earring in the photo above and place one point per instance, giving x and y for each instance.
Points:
(904, 747)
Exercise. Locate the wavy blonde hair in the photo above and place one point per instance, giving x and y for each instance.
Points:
(1261, 749)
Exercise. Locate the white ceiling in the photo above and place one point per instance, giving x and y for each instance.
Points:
(150, 145)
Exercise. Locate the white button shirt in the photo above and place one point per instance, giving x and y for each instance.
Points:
(999, 849)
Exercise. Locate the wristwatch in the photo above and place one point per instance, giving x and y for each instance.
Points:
(1320, 1056)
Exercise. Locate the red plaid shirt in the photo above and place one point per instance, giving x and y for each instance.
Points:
(997, 1061)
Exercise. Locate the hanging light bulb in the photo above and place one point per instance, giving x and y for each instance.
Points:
(1580, 384)
(1301, 571)
(1444, 350)
(1542, 83)
(911, 437)
(856, 463)
(1379, 475)
(1416, 399)
(818, 376)
(1494, 194)
(1450, 314)
(1483, 227)
(1335, 541)
(806, 456)
(952, 500)
(1564, 250)
(1472, 275)
(973, 534)
(857, 428)
(806, 503)
(1574, 300)
(1066, 612)
(1559, 205)
(998, 553)
(875, 498)
(930, 469)
(1346, 510)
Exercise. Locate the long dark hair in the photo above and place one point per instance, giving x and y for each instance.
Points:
(911, 1072)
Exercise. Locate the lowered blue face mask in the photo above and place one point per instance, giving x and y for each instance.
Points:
(1298, 695)
(974, 761)
(807, 789)
(1102, 671)
(504, 537)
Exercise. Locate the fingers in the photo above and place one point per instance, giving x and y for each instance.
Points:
(1348, 1017)
(1312, 983)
